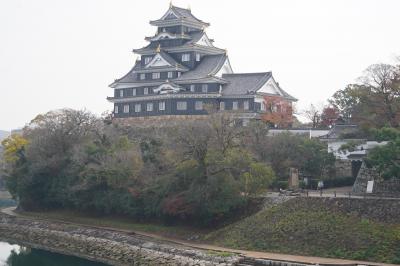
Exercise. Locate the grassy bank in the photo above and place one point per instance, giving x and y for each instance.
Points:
(122, 223)
(313, 227)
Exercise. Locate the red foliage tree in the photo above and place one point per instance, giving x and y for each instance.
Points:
(329, 116)
(278, 111)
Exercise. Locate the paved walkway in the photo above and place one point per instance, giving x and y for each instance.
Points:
(331, 194)
(246, 253)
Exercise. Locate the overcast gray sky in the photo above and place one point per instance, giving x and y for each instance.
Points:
(65, 53)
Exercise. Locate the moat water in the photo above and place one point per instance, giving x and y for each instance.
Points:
(15, 255)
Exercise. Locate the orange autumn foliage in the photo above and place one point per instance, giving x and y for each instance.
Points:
(278, 111)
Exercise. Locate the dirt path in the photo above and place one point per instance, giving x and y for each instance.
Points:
(245, 253)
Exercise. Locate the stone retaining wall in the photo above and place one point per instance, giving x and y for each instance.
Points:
(106, 246)
(381, 187)
(388, 187)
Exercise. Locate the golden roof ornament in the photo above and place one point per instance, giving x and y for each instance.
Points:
(158, 48)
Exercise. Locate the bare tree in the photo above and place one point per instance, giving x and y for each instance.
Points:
(383, 80)
(313, 113)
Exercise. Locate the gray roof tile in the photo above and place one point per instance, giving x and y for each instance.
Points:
(248, 83)
(186, 13)
(244, 83)
(209, 65)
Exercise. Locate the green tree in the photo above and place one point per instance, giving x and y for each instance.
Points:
(386, 158)
(375, 102)
(257, 179)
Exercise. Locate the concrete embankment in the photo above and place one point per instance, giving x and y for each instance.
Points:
(106, 246)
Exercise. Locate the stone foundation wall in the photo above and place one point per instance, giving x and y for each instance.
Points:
(381, 187)
(105, 246)
(343, 168)
(364, 175)
(388, 187)
(149, 121)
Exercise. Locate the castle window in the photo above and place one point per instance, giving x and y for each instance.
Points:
(192, 88)
(222, 106)
(161, 106)
(179, 74)
(185, 57)
(263, 106)
(181, 106)
(134, 92)
(147, 60)
(204, 88)
(146, 91)
(142, 76)
(156, 75)
(126, 108)
(197, 57)
(138, 107)
(198, 105)
(246, 105)
(170, 75)
(116, 109)
(121, 93)
(235, 105)
(149, 107)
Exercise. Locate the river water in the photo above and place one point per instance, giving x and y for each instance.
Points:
(14, 255)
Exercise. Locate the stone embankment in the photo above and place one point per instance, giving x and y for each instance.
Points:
(110, 247)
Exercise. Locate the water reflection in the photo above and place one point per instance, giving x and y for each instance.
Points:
(14, 255)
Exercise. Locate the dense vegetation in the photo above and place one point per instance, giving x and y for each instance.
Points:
(386, 159)
(197, 171)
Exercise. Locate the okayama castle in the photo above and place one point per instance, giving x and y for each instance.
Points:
(181, 72)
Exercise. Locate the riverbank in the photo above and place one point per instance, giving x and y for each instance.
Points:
(382, 211)
(107, 246)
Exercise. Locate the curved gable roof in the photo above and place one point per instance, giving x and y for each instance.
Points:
(209, 66)
(250, 83)
(244, 83)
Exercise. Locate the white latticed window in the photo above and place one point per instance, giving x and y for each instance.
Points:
(192, 88)
(170, 75)
(161, 106)
(146, 91)
(181, 106)
(156, 75)
(246, 105)
(116, 109)
(121, 93)
(133, 92)
(147, 60)
(204, 88)
(185, 57)
(142, 76)
(149, 107)
(235, 105)
(138, 107)
(126, 108)
(222, 106)
(198, 105)
(197, 57)
(263, 106)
